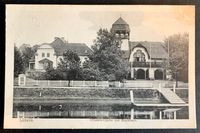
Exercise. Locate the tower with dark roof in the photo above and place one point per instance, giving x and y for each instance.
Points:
(122, 31)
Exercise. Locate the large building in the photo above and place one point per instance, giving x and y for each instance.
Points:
(145, 58)
(49, 54)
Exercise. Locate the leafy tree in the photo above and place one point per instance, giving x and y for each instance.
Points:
(18, 63)
(90, 71)
(27, 53)
(51, 74)
(69, 66)
(178, 56)
(108, 57)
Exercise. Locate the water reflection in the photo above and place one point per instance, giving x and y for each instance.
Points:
(101, 111)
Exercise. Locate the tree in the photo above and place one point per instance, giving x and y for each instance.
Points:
(90, 71)
(27, 53)
(69, 66)
(108, 57)
(51, 74)
(18, 63)
(178, 56)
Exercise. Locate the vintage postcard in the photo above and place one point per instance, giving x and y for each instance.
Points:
(100, 66)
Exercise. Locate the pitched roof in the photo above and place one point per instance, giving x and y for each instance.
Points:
(157, 48)
(119, 25)
(60, 46)
(45, 60)
(120, 21)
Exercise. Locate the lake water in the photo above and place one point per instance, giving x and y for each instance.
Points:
(97, 111)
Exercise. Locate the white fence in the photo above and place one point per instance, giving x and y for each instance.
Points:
(78, 83)
(81, 83)
(63, 83)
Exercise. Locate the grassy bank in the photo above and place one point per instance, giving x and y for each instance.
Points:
(84, 93)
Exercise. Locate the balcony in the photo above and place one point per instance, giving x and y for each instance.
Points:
(147, 64)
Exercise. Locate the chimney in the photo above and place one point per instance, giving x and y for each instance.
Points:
(56, 38)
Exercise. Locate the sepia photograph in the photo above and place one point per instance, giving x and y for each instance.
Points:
(100, 66)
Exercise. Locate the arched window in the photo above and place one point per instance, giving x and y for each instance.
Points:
(139, 56)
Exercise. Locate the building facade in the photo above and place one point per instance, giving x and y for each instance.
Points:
(146, 58)
(49, 54)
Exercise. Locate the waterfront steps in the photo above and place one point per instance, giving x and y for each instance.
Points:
(171, 96)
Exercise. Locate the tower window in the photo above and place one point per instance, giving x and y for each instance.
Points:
(48, 54)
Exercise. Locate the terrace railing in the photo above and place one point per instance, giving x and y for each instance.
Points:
(147, 64)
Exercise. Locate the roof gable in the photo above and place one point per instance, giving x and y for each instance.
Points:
(157, 49)
(120, 21)
(60, 47)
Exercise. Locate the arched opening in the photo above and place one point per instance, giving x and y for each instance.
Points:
(140, 74)
(158, 74)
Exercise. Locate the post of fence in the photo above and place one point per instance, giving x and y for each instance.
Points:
(175, 115)
(60, 83)
(40, 92)
(174, 88)
(37, 82)
(132, 114)
(107, 84)
(40, 107)
(72, 82)
(95, 83)
(160, 115)
(47, 82)
(18, 114)
(131, 95)
(22, 80)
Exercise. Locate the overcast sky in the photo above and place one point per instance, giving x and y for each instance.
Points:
(36, 24)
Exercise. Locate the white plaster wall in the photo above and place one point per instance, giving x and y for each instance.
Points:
(83, 58)
(39, 57)
(143, 50)
(125, 44)
(58, 60)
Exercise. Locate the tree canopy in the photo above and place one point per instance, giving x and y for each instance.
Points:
(18, 62)
(107, 62)
(178, 55)
(27, 52)
(69, 65)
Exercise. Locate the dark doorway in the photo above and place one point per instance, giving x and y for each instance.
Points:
(140, 74)
(158, 74)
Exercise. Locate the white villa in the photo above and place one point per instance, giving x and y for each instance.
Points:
(51, 53)
(145, 57)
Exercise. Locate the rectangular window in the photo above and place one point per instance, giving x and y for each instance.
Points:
(43, 55)
(48, 55)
